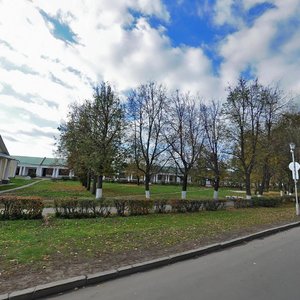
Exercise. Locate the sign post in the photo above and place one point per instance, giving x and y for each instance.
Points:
(294, 167)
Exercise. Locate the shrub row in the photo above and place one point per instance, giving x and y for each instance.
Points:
(183, 206)
(82, 208)
(13, 208)
(267, 202)
(258, 202)
(123, 207)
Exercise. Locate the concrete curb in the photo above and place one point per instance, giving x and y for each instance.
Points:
(61, 286)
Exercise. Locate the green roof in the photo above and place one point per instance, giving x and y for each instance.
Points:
(40, 161)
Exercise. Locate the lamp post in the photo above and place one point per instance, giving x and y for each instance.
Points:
(295, 172)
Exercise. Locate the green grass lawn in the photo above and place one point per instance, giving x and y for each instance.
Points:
(29, 242)
(38, 249)
(162, 191)
(15, 182)
(51, 190)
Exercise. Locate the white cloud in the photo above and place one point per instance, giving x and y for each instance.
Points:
(41, 75)
(258, 47)
(113, 44)
(248, 4)
(223, 12)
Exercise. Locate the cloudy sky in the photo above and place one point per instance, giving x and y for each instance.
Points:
(52, 53)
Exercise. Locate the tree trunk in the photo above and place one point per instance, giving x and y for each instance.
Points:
(138, 180)
(184, 186)
(94, 185)
(268, 179)
(147, 186)
(89, 178)
(99, 187)
(84, 181)
(216, 187)
(248, 185)
(265, 183)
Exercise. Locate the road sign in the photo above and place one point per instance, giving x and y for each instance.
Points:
(295, 170)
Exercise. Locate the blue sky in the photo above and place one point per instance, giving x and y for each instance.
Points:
(53, 52)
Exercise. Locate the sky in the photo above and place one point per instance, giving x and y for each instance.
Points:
(52, 53)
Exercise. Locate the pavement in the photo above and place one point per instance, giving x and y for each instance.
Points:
(262, 266)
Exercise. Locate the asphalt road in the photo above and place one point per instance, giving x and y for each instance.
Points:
(262, 269)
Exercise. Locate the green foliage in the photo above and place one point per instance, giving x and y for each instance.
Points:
(267, 202)
(14, 208)
(258, 202)
(91, 139)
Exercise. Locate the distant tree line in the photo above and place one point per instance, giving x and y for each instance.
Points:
(244, 139)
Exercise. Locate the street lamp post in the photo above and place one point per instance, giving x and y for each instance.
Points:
(292, 148)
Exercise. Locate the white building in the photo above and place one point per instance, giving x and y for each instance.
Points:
(8, 164)
(42, 167)
(167, 175)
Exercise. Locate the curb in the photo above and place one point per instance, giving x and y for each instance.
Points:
(61, 286)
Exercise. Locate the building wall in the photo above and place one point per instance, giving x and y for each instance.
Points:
(7, 169)
(42, 171)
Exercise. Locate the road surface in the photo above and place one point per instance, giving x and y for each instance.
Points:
(268, 268)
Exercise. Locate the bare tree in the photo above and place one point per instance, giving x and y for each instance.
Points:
(244, 108)
(214, 140)
(184, 134)
(146, 112)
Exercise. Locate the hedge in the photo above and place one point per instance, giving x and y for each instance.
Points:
(125, 207)
(267, 202)
(258, 202)
(13, 208)
(79, 208)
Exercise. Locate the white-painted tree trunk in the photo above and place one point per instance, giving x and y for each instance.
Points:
(183, 195)
(147, 194)
(281, 193)
(216, 195)
(98, 193)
